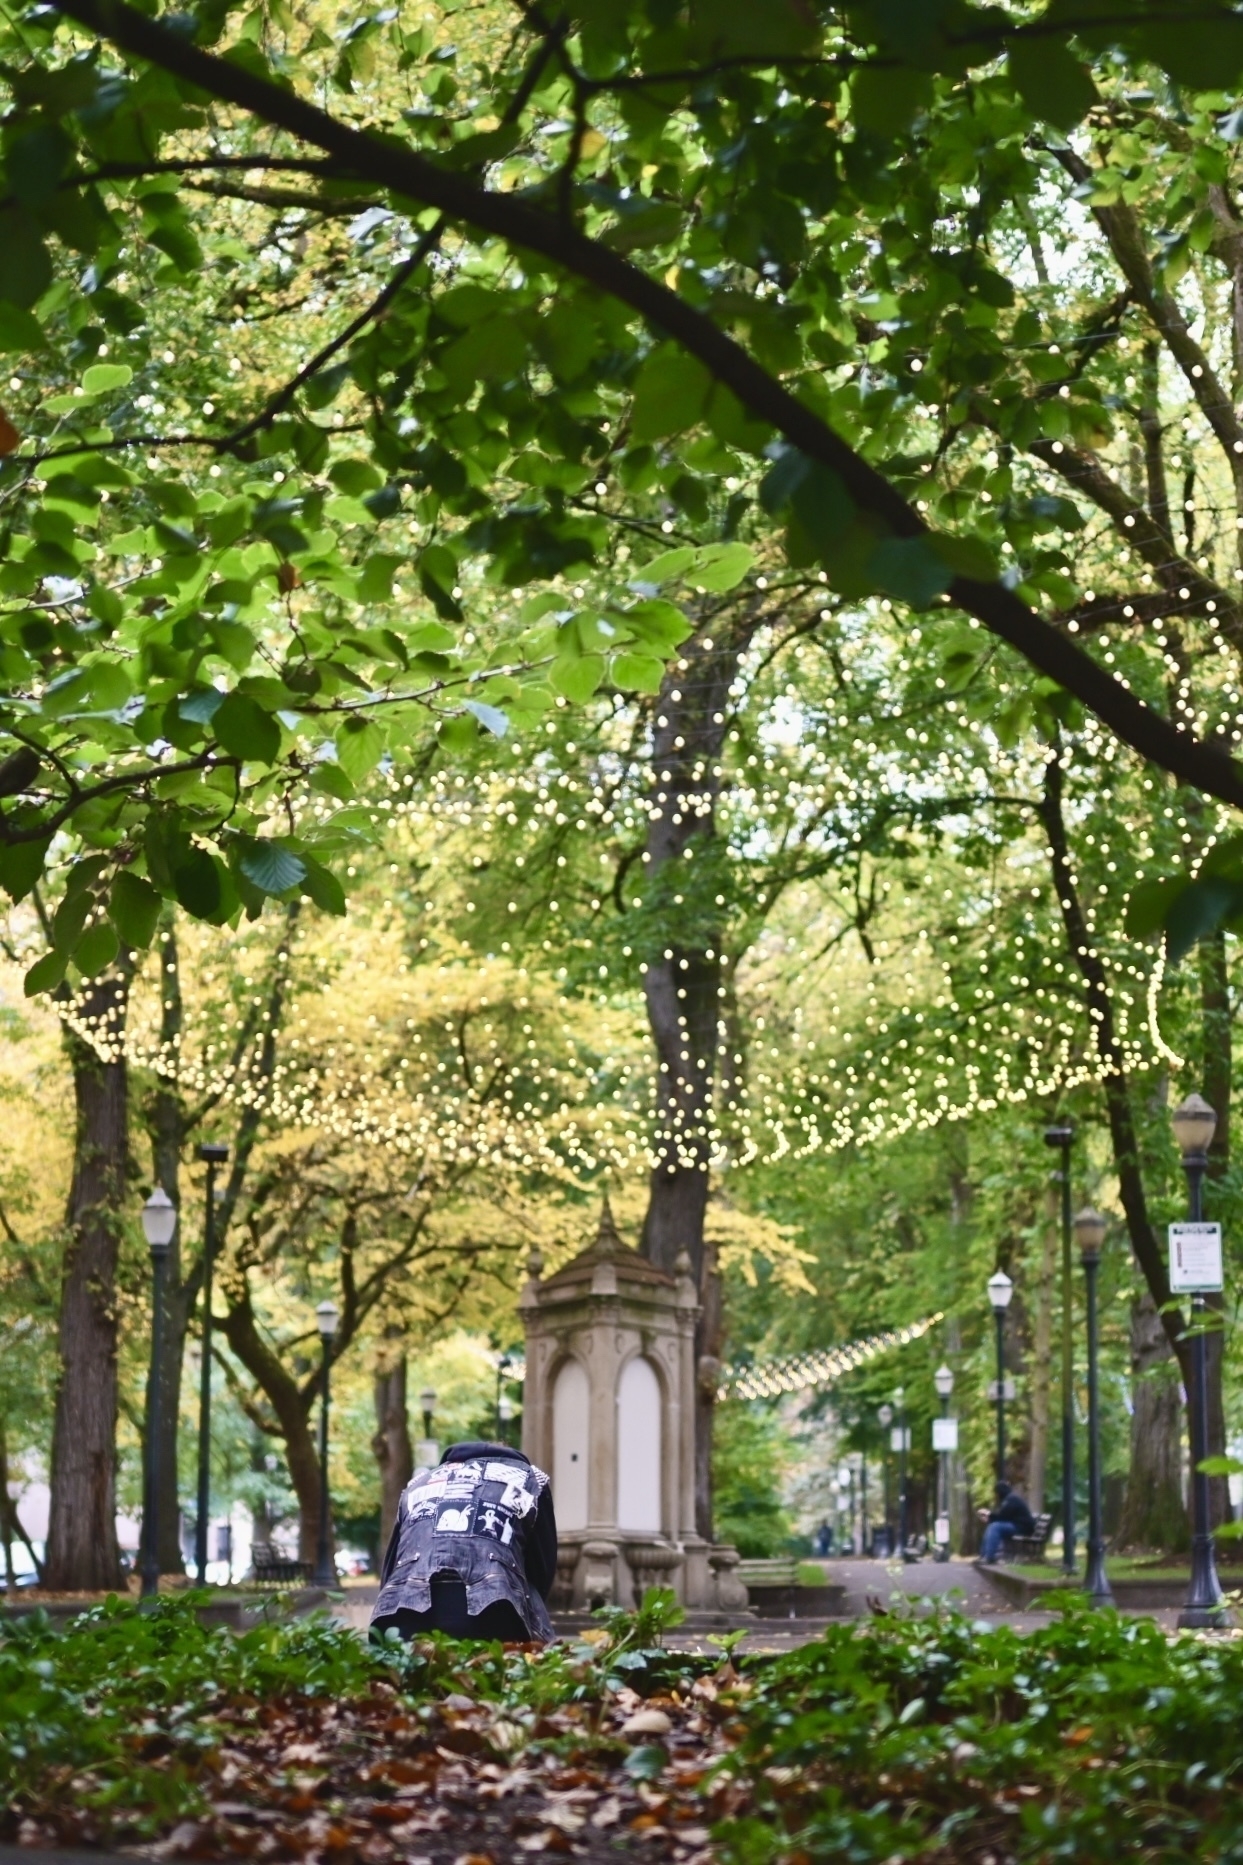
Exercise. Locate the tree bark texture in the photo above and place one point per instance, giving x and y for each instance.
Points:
(82, 1542)
(166, 1128)
(1154, 1514)
(683, 989)
(391, 1444)
(294, 1406)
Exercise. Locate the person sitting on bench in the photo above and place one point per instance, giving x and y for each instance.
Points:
(473, 1550)
(1010, 1517)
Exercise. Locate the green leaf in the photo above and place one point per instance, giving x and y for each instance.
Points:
(911, 569)
(19, 330)
(491, 717)
(323, 887)
(1150, 903)
(375, 584)
(577, 676)
(637, 673)
(21, 864)
(197, 884)
(26, 271)
(246, 730)
(886, 100)
(722, 567)
(96, 949)
(669, 394)
(1052, 83)
(46, 973)
(101, 377)
(134, 907)
(360, 745)
(271, 867)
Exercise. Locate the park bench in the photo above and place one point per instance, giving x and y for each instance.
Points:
(1028, 1547)
(273, 1569)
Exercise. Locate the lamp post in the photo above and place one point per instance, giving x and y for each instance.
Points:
(326, 1317)
(885, 1414)
(427, 1404)
(863, 1503)
(502, 1367)
(943, 1380)
(1061, 1137)
(1194, 1124)
(159, 1222)
(213, 1156)
(846, 1503)
(900, 1401)
(1090, 1234)
(1000, 1289)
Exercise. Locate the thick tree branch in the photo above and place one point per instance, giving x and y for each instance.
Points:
(523, 224)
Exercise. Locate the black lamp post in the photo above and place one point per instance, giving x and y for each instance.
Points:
(943, 1380)
(885, 1414)
(427, 1403)
(1090, 1234)
(1000, 1289)
(326, 1317)
(213, 1156)
(900, 1400)
(863, 1503)
(1194, 1125)
(1061, 1137)
(159, 1222)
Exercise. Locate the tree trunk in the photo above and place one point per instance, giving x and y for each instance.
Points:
(166, 1127)
(294, 1406)
(1042, 1350)
(1153, 1511)
(394, 1452)
(683, 988)
(82, 1542)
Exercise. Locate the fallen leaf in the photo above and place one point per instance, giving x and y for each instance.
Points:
(647, 1722)
(10, 439)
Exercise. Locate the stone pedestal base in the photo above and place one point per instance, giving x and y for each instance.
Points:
(606, 1568)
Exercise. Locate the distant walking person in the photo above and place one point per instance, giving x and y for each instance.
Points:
(1010, 1517)
(473, 1550)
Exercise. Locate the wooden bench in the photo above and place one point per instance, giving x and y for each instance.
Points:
(1028, 1547)
(273, 1569)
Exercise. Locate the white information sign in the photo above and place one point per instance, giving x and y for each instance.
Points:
(1008, 1390)
(943, 1526)
(945, 1434)
(1195, 1258)
(900, 1438)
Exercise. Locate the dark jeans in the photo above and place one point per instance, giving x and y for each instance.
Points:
(448, 1613)
(995, 1536)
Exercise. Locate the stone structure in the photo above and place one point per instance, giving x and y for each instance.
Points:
(609, 1412)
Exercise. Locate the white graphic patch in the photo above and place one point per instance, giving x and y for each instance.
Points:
(453, 1522)
(516, 1497)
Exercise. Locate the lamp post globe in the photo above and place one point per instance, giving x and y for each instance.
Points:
(1194, 1123)
(943, 1380)
(159, 1223)
(327, 1318)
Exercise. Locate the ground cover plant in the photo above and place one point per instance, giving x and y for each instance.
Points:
(904, 1738)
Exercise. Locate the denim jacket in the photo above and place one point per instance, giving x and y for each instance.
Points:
(473, 1520)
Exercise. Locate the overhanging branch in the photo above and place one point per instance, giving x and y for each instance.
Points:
(520, 223)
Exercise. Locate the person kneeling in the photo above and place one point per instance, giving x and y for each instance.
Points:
(473, 1550)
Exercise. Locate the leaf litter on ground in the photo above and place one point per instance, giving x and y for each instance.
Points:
(926, 1739)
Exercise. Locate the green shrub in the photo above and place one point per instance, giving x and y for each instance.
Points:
(749, 1455)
